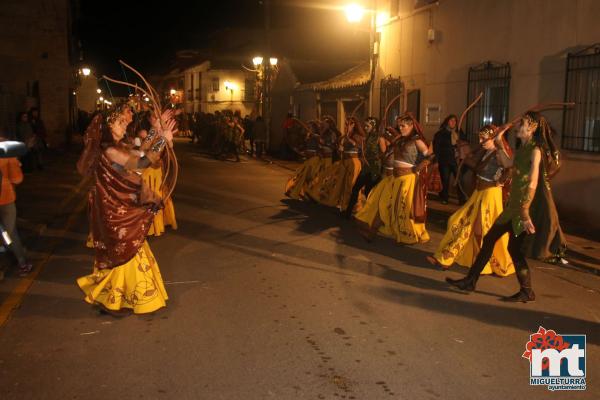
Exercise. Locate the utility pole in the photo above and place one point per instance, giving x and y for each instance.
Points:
(267, 72)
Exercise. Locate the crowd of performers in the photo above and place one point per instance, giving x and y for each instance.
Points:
(226, 135)
(392, 166)
(126, 154)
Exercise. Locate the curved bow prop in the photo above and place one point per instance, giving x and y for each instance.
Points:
(466, 111)
(387, 109)
(172, 169)
(537, 108)
(172, 165)
(308, 131)
(458, 128)
(360, 104)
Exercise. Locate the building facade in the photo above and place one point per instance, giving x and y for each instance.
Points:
(208, 86)
(36, 55)
(205, 86)
(518, 53)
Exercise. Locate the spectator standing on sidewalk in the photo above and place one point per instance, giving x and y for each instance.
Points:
(39, 132)
(249, 133)
(10, 168)
(444, 147)
(286, 152)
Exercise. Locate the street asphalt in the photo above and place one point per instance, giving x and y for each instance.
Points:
(272, 298)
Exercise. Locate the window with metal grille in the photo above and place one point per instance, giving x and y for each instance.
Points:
(493, 80)
(215, 84)
(581, 124)
(390, 89)
(413, 103)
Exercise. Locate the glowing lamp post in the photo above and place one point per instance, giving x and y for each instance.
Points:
(257, 61)
(264, 77)
(354, 13)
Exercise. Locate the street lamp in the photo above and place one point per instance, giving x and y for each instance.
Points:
(98, 91)
(257, 61)
(265, 74)
(354, 12)
(86, 71)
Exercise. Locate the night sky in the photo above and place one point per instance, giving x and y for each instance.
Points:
(147, 34)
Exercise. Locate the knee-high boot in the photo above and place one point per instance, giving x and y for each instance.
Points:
(525, 293)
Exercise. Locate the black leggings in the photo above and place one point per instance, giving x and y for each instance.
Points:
(365, 178)
(515, 248)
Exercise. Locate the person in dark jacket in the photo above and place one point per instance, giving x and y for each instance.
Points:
(444, 147)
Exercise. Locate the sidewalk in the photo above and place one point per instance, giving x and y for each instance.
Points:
(583, 251)
(47, 202)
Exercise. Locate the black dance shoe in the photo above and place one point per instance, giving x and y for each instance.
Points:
(522, 296)
(466, 284)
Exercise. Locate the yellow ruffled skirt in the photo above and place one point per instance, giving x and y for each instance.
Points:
(378, 206)
(403, 227)
(136, 285)
(333, 188)
(461, 246)
(296, 185)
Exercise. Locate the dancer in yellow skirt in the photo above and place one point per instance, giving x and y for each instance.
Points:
(153, 178)
(375, 215)
(370, 171)
(404, 225)
(334, 187)
(468, 225)
(296, 185)
(328, 139)
(126, 275)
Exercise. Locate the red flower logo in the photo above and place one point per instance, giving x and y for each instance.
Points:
(544, 339)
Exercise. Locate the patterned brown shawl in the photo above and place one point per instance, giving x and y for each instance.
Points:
(121, 211)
